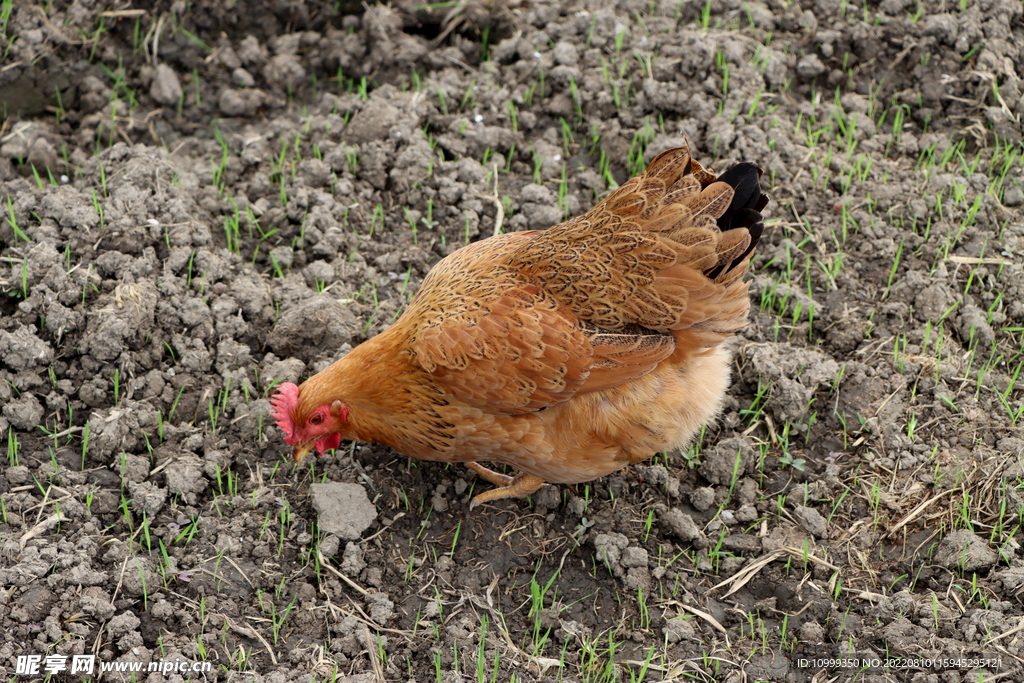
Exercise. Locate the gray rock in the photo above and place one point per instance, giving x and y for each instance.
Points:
(682, 525)
(343, 509)
(933, 302)
(317, 324)
(242, 78)
(703, 498)
(972, 324)
(240, 103)
(679, 628)
(185, 478)
(811, 520)
(941, 26)
(25, 413)
(1013, 195)
(966, 551)
(810, 66)
(166, 88)
(634, 557)
(727, 461)
(23, 350)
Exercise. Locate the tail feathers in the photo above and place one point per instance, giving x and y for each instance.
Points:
(665, 251)
(716, 232)
(744, 179)
(744, 212)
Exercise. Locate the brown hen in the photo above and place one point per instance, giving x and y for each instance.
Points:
(567, 353)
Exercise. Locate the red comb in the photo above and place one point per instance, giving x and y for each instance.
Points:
(284, 401)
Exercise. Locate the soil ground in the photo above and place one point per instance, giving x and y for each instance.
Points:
(201, 200)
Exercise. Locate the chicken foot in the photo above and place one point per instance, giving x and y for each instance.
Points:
(518, 486)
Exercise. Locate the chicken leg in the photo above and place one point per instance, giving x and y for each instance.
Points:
(518, 486)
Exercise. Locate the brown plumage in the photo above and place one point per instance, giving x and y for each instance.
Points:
(566, 353)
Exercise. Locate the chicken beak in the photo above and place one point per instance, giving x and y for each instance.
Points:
(302, 450)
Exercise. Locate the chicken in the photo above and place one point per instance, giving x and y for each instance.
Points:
(566, 353)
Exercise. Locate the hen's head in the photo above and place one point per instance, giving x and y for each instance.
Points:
(306, 429)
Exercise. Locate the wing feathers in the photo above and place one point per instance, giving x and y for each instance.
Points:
(675, 215)
(532, 319)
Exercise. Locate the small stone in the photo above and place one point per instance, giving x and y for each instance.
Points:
(634, 557)
(810, 66)
(380, 606)
(343, 509)
(329, 545)
(566, 53)
(1013, 196)
(240, 103)
(703, 498)
(547, 497)
(811, 520)
(166, 88)
(679, 628)
(811, 632)
(242, 78)
(965, 551)
(352, 561)
(682, 525)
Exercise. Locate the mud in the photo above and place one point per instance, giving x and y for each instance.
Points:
(201, 201)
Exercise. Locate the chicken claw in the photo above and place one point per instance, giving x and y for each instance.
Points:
(518, 486)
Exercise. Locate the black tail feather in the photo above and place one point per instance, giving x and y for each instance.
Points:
(744, 211)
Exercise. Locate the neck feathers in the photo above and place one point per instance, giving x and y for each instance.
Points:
(368, 381)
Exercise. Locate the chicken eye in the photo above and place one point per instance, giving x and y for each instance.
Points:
(316, 419)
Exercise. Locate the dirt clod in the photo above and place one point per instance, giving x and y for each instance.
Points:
(200, 203)
(342, 509)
